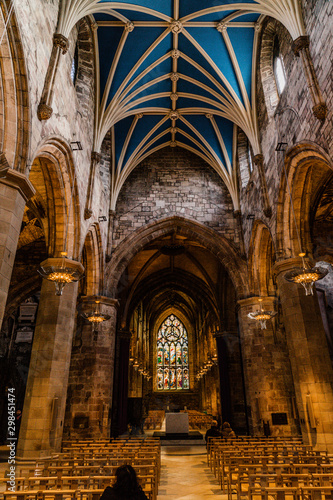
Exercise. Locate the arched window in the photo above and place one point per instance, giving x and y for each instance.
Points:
(75, 65)
(278, 67)
(172, 356)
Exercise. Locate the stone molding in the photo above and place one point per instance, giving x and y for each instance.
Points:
(61, 41)
(4, 165)
(44, 111)
(18, 181)
(302, 42)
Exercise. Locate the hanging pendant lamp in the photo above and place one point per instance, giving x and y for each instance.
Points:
(306, 275)
(262, 316)
(96, 316)
(61, 272)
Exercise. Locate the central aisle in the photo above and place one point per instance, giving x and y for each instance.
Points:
(185, 474)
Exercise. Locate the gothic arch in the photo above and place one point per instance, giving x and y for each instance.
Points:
(308, 167)
(53, 175)
(14, 105)
(218, 245)
(261, 260)
(92, 257)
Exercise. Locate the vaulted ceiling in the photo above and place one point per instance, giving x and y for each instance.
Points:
(171, 72)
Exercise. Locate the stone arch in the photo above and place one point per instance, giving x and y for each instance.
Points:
(92, 257)
(261, 260)
(53, 176)
(220, 246)
(308, 167)
(268, 81)
(85, 81)
(14, 104)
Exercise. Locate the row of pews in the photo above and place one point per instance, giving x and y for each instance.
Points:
(270, 469)
(84, 469)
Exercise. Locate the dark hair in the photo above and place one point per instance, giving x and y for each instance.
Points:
(126, 484)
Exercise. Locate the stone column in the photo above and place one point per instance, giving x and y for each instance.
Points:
(119, 410)
(15, 190)
(89, 399)
(300, 47)
(259, 162)
(45, 397)
(60, 45)
(95, 159)
(267, 375)
(310, 361)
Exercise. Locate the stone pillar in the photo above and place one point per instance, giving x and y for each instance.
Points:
(15, 190)
(238, 215)
(120, 396)
(300, 47)
(112, 214)
(60, 45)
(95, 159)
(310, 361)
(259, 162)
(45, 397)
(267, 374)
(89, 398)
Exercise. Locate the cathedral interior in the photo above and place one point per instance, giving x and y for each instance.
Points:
(166, 217)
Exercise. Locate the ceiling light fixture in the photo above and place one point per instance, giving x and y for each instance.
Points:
(261, 315)
(96, 317)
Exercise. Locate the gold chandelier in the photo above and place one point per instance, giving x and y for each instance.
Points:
(96, 317)
(61, 272)
(306, 275)
(262, 316)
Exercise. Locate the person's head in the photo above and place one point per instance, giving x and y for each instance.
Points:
(226, 425)
(214, 423)
(126, 480)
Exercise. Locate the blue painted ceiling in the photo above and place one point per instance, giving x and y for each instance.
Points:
(207, 81)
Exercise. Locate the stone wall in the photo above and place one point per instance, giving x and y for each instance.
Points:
(292, 120)
(174, 182)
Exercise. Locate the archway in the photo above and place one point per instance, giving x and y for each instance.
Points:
(178, 267)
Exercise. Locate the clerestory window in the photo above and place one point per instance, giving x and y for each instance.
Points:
(278, 67)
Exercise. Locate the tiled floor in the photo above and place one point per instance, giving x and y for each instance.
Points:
(185, 475)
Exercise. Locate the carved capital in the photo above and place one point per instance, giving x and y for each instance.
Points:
(44, 112)
(320, 111)
(237, 214)
(176, 27)
(112, 214)
(87, 213)
(302, 42)
(258, 160)
(61, 41)
(107, 258)
(96, 157)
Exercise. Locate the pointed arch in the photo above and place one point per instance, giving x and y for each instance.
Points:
(261, 260)
(308, 166)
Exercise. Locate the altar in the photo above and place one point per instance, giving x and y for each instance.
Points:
(176, 423)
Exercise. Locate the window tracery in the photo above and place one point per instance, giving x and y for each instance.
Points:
(172, 355)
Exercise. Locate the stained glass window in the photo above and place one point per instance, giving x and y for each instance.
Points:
(172, 356)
